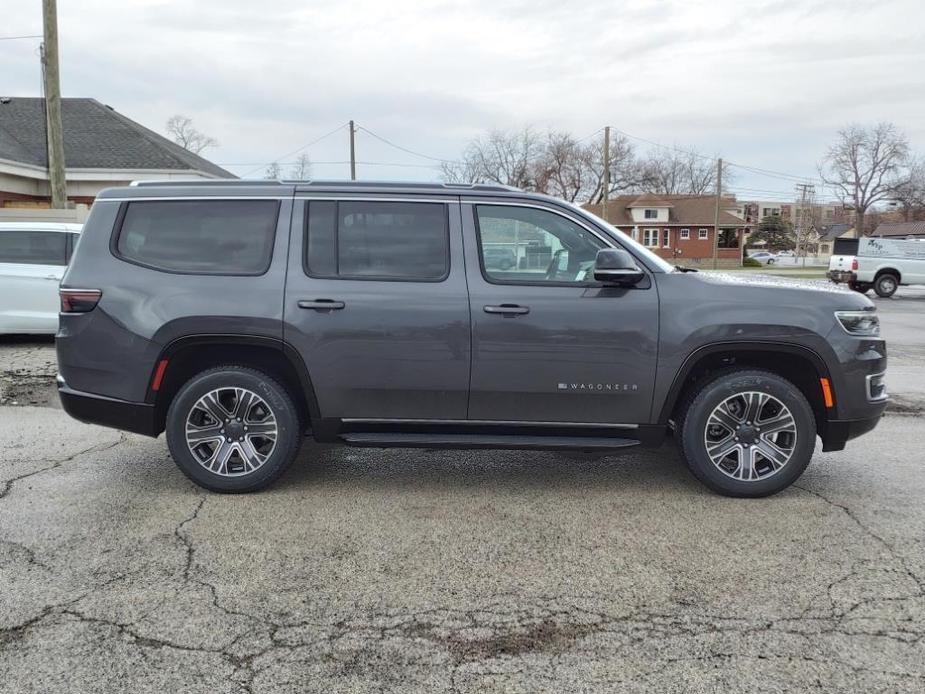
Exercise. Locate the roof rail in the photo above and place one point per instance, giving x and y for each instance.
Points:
(210, 182)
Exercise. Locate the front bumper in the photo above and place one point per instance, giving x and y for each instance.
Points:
(841, 276)
(837, 432)
(137, 417)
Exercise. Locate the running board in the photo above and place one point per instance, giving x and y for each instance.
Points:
(547, 443)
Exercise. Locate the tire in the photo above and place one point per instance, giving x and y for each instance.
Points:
(886, 285)
(770, 261)
(862, 287)
(743, 474)
(234, 456)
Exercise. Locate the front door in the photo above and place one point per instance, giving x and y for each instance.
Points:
(548, 343)
(376, 304)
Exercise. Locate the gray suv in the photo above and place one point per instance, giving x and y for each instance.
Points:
(238, 317)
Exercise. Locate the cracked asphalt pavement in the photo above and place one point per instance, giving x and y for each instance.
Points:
(467, 571)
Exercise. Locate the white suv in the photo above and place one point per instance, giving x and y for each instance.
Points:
(33, 256)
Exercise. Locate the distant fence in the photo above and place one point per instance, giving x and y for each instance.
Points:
(76, 215)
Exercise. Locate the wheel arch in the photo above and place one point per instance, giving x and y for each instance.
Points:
(192, 354)
(888, 270)
(803, 367)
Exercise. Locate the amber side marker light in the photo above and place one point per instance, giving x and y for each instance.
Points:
(827, 393)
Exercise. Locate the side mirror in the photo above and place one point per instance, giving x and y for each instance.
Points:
(616, 266)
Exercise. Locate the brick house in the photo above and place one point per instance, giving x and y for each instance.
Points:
(102, 148)
(679, 228)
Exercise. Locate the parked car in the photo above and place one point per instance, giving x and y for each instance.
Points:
(786, 254)
(499, 258)
(880, 264)
(33, 256)
(239, 316)
(763, 257)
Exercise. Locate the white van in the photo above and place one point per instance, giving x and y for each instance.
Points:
(33, 257)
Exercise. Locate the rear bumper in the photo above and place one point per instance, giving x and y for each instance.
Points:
(137, 417)
(841, 276)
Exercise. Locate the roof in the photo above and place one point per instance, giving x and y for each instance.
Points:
(834, 231)
(693, 210)
(900, 229)
(95, 137)
(40, 226)
(650, 200)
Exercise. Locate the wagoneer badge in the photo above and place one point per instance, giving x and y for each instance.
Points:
(603, 387)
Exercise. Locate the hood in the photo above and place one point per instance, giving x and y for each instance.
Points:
(815, 291)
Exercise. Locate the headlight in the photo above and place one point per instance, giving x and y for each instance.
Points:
(860, 323)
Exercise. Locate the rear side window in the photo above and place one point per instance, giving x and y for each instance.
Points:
(33, 247)
(213, 237)
(377, 240)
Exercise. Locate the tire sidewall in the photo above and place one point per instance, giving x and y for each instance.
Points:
(711, 395)
(287, 419)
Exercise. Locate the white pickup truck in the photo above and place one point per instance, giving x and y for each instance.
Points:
(881, 264)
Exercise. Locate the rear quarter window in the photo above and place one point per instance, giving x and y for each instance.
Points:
(210, 237)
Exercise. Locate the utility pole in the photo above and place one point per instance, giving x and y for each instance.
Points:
(52, 83)
(606, 181)
(719, 193)
(353, 155)
(804, 225)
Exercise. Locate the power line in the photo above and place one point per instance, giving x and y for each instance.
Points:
(16, 38)
(296, 151)
(405, 149)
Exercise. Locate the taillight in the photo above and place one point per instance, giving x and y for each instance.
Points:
(79, 300)
(854, 263)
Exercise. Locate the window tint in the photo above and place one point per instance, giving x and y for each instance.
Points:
(525, 244)
(377, 240)
(33, 247)
(216, 237)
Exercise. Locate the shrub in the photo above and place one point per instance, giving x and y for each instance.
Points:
(750, 262)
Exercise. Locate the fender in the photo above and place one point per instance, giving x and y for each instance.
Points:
(691, 360)
(288, 352)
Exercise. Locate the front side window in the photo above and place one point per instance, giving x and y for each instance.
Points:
(33, 247)
(210, 237)
(377, 240)
(530, 245)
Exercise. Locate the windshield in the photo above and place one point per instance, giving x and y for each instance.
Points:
(654, 261)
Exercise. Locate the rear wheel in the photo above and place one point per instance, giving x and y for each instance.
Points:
(748, 433)
(233, 429)
(886, 285)
(862, 287)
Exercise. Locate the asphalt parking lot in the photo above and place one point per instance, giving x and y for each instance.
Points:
(425, 571)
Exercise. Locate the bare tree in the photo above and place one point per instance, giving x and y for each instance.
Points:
(909, 193)
(302, 168)
(273, 171)
(505, 157)
(678, 172)
(181, 129)
(565, 168)
(625, 171)
(865, 166)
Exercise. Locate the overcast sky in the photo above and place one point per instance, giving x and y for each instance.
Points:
(765, 83)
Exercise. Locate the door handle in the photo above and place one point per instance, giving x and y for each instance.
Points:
(52, 277)
(508, 309)
(322, 304)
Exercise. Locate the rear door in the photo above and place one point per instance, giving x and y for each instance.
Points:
(32, 263)
(376, 303)
(548, 343)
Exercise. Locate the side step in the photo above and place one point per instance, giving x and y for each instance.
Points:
(544, 443)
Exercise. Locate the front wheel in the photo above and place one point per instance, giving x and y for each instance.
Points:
(233, 429)
(886, 285)
(748, 433)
